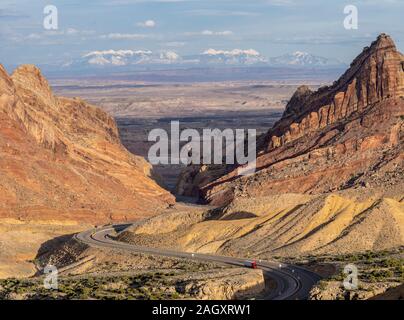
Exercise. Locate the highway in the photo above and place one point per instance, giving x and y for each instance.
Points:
(292, 282)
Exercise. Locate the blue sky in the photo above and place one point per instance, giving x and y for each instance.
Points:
(272, 27)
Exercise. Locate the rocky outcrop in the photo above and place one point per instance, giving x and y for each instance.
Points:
(345, 135)
(61, 159)
(236, 284)
(395, 293)
(333, 290)
(375, 75)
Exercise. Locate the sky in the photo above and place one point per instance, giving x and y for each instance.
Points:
(272, 27)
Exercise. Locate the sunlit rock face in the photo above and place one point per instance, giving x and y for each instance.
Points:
(61, 159)
(340, 136)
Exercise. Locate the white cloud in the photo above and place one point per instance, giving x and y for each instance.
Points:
(281, 3)
(210, 33)
(175, 44)
(221, 13)
(127, 36)
(235, 52)
(147, 24)
(65, 32)
(34, 36)
(72, 31)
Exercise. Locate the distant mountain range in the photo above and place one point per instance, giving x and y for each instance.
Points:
(304, 59)
(234, 57)
(126, 57)
(144, 58)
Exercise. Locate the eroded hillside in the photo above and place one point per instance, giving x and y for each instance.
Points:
(285, 225)
(61, 159)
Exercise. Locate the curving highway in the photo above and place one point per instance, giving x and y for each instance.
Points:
(292, 282)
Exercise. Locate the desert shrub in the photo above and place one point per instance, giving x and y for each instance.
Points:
(322, 285)
(392, 263)
(380, 275)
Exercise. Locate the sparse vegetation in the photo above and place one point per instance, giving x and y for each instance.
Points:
(148, 286)
(377, 271)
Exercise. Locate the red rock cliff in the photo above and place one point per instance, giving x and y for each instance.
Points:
(374, 76)
(61, 159)
(345, 135)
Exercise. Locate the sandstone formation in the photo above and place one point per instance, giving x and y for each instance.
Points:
(329, 176)
(61, 159)
(380, 291)
(345, 135)
(286, 225)
(20, 242)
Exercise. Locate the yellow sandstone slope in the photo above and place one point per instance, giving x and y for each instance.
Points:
(289, 225)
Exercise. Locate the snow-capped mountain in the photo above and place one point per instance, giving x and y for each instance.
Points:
(121, 58)
(169, 57)
(129, 60)
(116, 58)
(303, 59)
(233, 57)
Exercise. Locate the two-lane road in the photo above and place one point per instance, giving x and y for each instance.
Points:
(292, 282)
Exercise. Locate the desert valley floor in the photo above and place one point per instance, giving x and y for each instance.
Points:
(140, 107)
